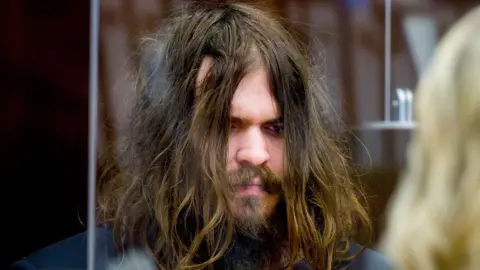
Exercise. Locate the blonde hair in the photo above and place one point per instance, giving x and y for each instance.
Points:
(434, 219)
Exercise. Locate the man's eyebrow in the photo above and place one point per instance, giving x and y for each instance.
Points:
(272, 121)
(275, 121)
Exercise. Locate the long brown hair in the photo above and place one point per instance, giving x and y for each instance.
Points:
(437, 203)
(173, 196)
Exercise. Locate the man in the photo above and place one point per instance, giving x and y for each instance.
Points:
(229, 162)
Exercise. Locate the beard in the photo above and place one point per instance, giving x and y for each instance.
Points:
(260, 222)
(244, 253)
(261, 250)
(253, 213)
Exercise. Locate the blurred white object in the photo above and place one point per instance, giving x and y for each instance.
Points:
(133, 260)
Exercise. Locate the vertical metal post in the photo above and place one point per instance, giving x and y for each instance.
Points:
(388, 61)
(92, 131)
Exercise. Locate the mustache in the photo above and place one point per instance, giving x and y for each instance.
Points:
(270, 182)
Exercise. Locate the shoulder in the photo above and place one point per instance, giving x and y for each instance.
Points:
(367, 259)
(70, 253)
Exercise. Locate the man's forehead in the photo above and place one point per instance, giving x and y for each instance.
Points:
(253, 99)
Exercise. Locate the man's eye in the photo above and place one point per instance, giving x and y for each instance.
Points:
(233, 126)
(275, 129)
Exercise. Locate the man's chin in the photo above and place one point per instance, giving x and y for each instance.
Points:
(253, 213)
(251, 223)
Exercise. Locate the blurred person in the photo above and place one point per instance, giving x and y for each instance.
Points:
(231, 159)
(435, 213)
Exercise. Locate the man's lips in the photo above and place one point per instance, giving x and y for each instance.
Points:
(250, 190)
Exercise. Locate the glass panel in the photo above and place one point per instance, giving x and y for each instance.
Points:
(349, 35)
(416, 27)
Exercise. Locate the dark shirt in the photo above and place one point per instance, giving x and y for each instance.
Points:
(71, 254)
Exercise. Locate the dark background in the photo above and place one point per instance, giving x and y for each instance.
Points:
(43, 122)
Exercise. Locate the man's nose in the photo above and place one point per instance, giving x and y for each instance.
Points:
(253, 148)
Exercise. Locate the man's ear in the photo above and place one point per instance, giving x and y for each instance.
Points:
(203, 71)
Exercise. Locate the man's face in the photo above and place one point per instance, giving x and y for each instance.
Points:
(256, 141)
(256, 148)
